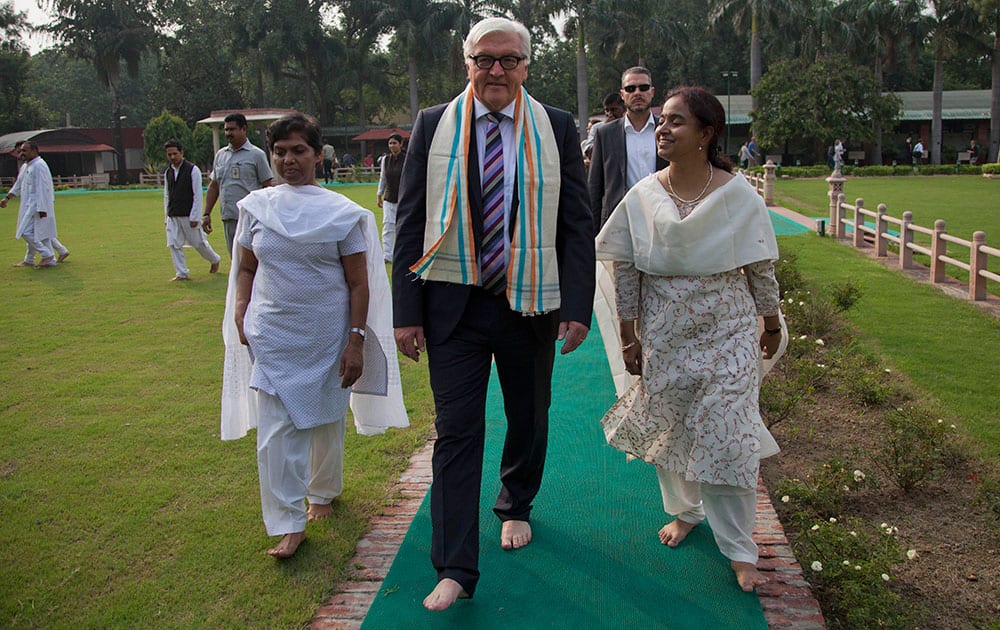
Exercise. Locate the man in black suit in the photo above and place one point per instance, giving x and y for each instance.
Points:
(625, 149)
(466, 324)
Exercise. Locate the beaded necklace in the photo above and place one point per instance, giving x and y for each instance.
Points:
(688, 204)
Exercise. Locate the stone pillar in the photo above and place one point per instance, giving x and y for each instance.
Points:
(977, 263)
(836, 182)
(939, 248)
(905, 238)
(769, 177)
(881, 227)
(859, 222)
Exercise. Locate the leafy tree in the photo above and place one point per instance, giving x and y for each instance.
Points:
(202, 150)
(158, 130)
(950, 22)
(828, 99)
(107, 33)
(17, 112)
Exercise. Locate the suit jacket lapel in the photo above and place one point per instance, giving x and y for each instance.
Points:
(475, 188)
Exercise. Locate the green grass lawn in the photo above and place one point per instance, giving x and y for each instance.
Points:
(120, 505)
(122, 508)
(967, 203)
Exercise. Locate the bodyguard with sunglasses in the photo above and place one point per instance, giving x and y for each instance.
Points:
(624, 150)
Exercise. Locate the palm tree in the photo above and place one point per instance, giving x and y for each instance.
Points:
(107, 33)
(989, 15)
(750, 15)
(950, 23)
(418, 26)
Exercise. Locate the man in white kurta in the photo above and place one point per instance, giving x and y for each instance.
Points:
(36, 219)
(182, 212)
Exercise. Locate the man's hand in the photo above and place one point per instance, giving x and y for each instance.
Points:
(193, 223)
(206, 224)
(352, 362)
(3, 202)
(573, 333)
(43, 214)
(410, 341)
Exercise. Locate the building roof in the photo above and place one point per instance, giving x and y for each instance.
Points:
(955, 105)
(63, 140)
(259, 115)
(381, 134)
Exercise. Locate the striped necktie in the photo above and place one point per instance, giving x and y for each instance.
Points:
(494, 277)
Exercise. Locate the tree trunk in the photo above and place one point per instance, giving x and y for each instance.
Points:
(875, 158)
(755, 61)
(411, 70)
(994, 152)
(116, 113)
(582, 89)
(936, 108)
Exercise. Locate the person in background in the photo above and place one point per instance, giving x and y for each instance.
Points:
(182, 212)
(329, 162)
(482, 274)
(307, 317)
(238, 169)
(387, 195)
(693, 251)
(54, 244)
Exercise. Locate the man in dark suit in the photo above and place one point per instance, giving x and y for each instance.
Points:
(625, 149)
(466, 324)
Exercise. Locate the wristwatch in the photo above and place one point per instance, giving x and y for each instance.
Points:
(355, 329)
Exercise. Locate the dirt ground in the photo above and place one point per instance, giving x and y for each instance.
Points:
(954, 582)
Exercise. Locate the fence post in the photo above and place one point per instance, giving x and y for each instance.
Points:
(859, 222)
(769, 177)
(905, 238)
(841, 228)
(977, 263)
(881, 226)
(939, 247)
(836, 182)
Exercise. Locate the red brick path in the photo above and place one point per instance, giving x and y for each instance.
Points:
(786, 599)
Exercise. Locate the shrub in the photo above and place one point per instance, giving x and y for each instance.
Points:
(988, 493)
(809, 314)
(782, 398)
(823, 492)
(845, 294)
(991, 169)
(912, 448)
(786, 271)
(851, 566)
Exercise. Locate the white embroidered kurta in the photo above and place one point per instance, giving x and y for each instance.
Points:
(695, 409)
(37, 195)
(297, 320)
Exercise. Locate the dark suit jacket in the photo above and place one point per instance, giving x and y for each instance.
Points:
(437, 306)
(608, 175)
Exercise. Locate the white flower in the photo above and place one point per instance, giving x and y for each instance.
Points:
(833, 520)
(819, 342)
(951, 426)
(816, 566)
(847, 563)
(815, 527)
(885, 577)
(857, 567)
(883, 525)
(846, 489)
(821, 365)
(803, 337)
(888, 371)
(911, 554)
(786, 499)
(940, 421)
(859, 476)
(802, 303)
(853, 533)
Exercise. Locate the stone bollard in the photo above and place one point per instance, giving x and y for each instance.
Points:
(977, 262)
(939, 248)
(836, 181)
(769, 177)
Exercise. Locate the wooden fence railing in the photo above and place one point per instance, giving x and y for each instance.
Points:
(844, 215)
(97, 180)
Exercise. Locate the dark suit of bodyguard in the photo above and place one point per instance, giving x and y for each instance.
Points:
(448, 301)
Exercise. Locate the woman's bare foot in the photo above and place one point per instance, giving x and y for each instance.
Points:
(288, 546)
(319, 511)
(748, 576)
(444, 595)
(674, 532)
(515, 534)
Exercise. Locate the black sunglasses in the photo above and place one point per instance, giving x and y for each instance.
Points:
(485, 62)
(642, 87)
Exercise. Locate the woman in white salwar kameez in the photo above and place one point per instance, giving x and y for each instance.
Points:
(301, 308)
(693, 251)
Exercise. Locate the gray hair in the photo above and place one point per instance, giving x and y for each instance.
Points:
(493, 25)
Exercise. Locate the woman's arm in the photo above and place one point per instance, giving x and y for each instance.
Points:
(627, 300)
(356, 273)
(764, 289)
(244, 286)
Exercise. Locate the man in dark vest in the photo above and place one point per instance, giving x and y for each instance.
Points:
(387, 195)
(182, 211)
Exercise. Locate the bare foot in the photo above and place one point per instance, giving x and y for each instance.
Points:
(213, 269)
(24, 264)
(288, 546)
(444, 595)
(319, 511)
(748, 576)
(46, 262)
(674, 532)
(515, 534)
(62, 257)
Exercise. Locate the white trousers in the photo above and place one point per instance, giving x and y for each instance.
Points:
(41, 247)
(388, 228)
(54, 245)
(295, 465)
(731, 511)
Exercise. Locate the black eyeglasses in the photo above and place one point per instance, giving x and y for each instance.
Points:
(642, 87)
(485, 62)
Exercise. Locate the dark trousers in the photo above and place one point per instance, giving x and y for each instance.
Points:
(459, 372)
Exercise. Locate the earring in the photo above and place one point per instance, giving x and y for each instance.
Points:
(699, 148)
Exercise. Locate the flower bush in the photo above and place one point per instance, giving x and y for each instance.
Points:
(913, 448)
(823, 492)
